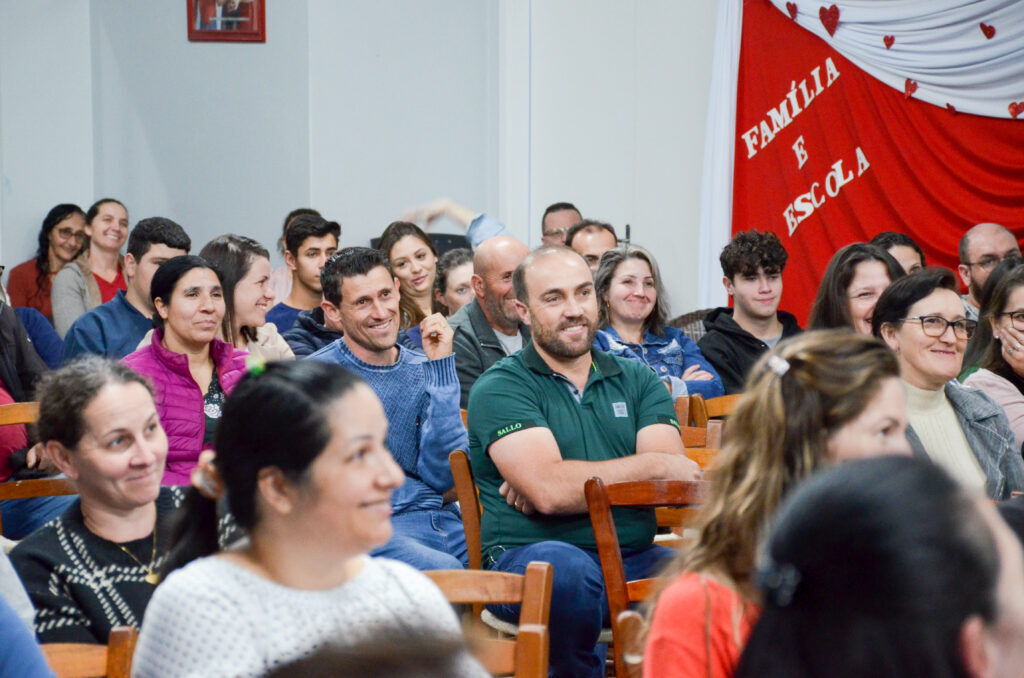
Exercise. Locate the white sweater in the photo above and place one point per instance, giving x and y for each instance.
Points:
(213, 618)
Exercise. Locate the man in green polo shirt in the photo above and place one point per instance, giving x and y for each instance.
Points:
(543, 421)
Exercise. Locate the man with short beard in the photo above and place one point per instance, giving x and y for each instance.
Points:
(543, 421)
(488, 328)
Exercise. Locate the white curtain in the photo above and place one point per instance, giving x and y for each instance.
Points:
(938, 44)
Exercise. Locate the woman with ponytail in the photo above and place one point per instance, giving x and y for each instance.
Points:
(301, 462)
(819, 398)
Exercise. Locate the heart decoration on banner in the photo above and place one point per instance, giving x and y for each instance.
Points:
(888, 40)
(909, 88)
(829, 18)
(951, 109)
(791, 8)
(1016, 108)
(988, 30)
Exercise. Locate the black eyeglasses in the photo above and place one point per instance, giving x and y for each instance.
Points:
(990, 262)
(1016, 319)
(936, 325)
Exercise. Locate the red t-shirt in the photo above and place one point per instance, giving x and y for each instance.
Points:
(108, 290)
(699, 628)
(23, 289)
(11, 438)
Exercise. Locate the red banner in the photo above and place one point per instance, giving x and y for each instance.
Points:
(827, 155)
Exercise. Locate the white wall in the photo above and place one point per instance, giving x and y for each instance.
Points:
(616, 98)
(403, 108)
(46, 143)
(212, 135)
(362, 109)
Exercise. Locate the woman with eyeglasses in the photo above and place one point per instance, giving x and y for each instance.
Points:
(855, 277)
(1002, 364)
(962, 430)
(60, 240)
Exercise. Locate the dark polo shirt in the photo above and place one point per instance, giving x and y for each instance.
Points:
(520, 392)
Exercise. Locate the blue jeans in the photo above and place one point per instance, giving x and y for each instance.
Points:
(22, 517)
(427, 540)
(579, 606)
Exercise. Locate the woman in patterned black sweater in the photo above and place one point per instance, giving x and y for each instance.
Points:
(94, 567)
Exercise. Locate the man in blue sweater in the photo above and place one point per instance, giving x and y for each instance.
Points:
(114, 329)
(420, 394)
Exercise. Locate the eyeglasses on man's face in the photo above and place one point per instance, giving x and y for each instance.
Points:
(990, 262)
(936, 326)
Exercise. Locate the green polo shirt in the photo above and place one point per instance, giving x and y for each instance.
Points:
(520, 392)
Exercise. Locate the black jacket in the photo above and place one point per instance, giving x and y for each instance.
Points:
(309, 334)
(732, 350)
(20, 365)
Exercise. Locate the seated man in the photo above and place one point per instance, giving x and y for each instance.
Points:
(488, 328)
(545, 420)
(591, 239)
(309, 241)
(982, 247)
(420, 394)
(115, 328)
(752, 265)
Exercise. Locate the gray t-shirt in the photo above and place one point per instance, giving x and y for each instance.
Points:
(512, 343)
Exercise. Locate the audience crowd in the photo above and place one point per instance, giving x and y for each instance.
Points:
(259, 484)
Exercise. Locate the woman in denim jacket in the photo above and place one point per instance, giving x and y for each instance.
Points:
(633, 309)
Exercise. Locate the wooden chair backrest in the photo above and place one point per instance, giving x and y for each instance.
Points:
(709, 435)
(704, 456)
(39, 487)
(636, 494)
(469, 503)
(525, 656)
(86, 660)
(631, 643)
(19, 413)
(682, 405)
(465, 417)
(702, 411)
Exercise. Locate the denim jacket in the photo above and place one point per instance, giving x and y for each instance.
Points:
(668, 356)
(988, 434)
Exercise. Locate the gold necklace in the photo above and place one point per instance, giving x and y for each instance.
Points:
(151, 576)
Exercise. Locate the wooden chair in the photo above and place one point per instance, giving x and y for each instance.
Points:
(39, 487)
(19, 413)
(631, 632)
(709, 435)
(702, 411)
(525, 656)
(682, 405)
(465, 417)
(86, 660)
(704, 456)
(636, 494)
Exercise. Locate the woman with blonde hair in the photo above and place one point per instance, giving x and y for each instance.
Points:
(819, 398)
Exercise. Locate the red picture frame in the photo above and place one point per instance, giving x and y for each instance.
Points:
(227, 20)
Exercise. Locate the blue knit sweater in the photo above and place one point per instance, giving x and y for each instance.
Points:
(421, 401)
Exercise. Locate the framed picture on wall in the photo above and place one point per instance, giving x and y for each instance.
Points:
(227, 20)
